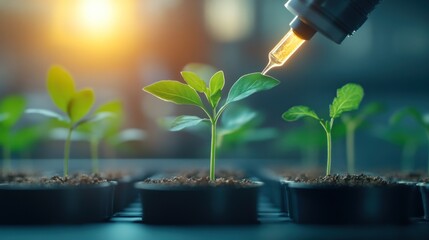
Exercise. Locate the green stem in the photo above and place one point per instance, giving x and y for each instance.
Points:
(427, 135)
(67, 152)
(329, 149)
(213, 152)
(94, 155)
(350, 149)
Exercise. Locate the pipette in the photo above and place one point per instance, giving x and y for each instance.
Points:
(283, 50)
(333, 18)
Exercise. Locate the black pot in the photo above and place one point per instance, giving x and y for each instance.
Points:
(166, 204)
(273, 189)
(333, 204)
(424, 190)
(284, 192)
(26, 204)
(416, 204)
(124, 194)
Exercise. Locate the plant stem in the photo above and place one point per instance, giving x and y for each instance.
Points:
(350, 149)
(328, 162)
(213, 152)
(67, 152)
(427, 134)
(94, 155)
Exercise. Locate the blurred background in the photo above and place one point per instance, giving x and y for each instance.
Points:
(118, 47)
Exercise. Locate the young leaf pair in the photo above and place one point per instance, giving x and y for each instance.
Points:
(75, 104)
(187, 94)
(348, 98)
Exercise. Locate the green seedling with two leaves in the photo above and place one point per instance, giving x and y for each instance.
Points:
(74, 105)
(348, 98)
(188, 94)
(421, 119)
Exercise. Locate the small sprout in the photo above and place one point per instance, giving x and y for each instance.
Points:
(306, 139)
(352, 122)
(348, 98)
(11, 110)
(421, 119)
(188, 94)
(73, 103)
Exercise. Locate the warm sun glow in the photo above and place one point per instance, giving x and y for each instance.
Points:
(96, 15)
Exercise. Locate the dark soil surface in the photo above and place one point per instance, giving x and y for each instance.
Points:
(116, 175)
(410, 176)
(292, 174)
(14, 177)
(201, 181)
(348, 180)
(222, 173)
(73, 180)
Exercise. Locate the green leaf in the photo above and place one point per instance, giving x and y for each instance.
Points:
(237, 117)
(297, 112)
(61, 87)
(127, 135)
(175, 92)
(80, 104)
(204, 71)
(371, 109)
(185, 121)
(408, 112)
(26, 137)
(47, 113)
(348, 98)
(249, 84)
(11, 109)
(114, 107)
(194, 81)
(217, 82)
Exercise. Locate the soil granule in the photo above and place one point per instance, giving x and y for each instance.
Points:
(73, 180)
(346, 180)
(201, 181)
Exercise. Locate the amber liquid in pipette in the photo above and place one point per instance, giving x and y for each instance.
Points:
(283, 50)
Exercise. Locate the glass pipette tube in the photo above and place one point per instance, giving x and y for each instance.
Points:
(283, 50)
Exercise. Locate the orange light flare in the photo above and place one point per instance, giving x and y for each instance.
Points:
(95, 30)
(287, 46)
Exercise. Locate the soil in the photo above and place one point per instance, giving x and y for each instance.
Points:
(14, 177)
(292, 174)
(115, 175)
(222, 173)
(410, 176)
(73, 180)
(201, 181)
(347, 180)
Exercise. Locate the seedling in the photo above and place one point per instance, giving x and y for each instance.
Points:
(408, 139)
(188, 94)
(420, 118)
(11, 110)
(348, 98)
(73, 103)
(306, 139)
(353, 122)
(103, 123)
